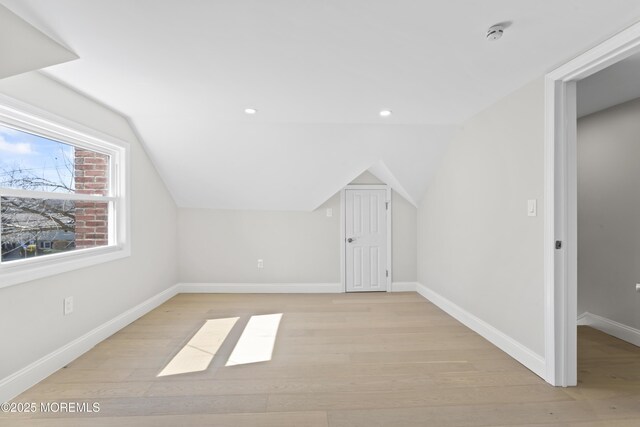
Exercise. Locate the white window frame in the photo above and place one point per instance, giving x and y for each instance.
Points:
(27, 118)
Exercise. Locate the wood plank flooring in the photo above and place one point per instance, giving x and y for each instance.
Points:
(339, 360)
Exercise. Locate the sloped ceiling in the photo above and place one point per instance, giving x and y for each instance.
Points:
(296, 166)
(318, 72)
(24, 48)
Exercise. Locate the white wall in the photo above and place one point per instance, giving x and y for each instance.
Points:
(31, 320)
(223, 246)
(476, 245)
(366, 178)
(404, 239)
(609, 213)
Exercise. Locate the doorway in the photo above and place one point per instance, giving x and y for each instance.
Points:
(561, 240)
(366, 238)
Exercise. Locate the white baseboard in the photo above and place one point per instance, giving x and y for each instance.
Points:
(611, 327)
(581, 319)
(35, 372)
(260, 288)
(278, 288)
(513, 348)
(404, 286)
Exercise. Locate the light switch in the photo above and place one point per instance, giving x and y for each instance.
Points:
(532, 207)
(329, 212)
(68, 306)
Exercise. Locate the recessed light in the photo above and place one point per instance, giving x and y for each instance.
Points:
(385, 113)
(250, 110)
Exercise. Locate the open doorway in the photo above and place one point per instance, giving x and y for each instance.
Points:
(608, 224)
(577, 195)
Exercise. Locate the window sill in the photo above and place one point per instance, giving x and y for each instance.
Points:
(21, 271)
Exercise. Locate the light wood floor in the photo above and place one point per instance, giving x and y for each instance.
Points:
(339, 360)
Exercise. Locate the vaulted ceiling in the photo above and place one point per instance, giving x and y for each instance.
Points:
(24, 48)
(318, 72)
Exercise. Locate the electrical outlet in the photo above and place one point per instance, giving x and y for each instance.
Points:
(329, 212)
(260, 263)
(68, 306)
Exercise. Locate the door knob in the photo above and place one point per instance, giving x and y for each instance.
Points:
(350, 240)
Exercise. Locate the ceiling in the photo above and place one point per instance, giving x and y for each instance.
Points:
(318, 72)
(614, 85)
(24, 48)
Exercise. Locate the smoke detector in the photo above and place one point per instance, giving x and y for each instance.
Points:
(495, 32)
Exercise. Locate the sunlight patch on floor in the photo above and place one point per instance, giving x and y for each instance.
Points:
(257, 340)
(198, 353)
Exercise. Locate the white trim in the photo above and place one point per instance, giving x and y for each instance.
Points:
(368, 187)
(22, 115)
(25, 117)
(389, 239)
(260, 288)
(404, 286)
(560, 162)
(11, 192)
(18, 382)
(549, 232)
(611, 327)
(20, 271)
(343, 210)
(343, 253)
(513, 348)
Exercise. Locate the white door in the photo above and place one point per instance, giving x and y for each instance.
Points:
(366, 240)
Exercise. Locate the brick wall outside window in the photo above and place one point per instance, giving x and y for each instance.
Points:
(91, 177)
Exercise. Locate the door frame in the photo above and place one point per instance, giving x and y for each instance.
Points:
(343, 237)
(560, 201)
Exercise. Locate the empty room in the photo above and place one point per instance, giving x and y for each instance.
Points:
(319, 213)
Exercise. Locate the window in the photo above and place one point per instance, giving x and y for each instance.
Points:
(63, 195)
